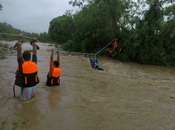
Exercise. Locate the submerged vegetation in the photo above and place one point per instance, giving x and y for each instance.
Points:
(13, 124)
(5, 50)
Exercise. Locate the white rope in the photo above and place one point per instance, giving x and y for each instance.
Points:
(80, 53)
(63, 51)
(104, 47)
(17, 35)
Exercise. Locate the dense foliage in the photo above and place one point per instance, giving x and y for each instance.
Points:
(146, 28)
(7, 28)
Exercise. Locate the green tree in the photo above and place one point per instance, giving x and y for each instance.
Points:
(92, 27)
(146, 29)
(150, 40)
(44, 37)
(59, 28)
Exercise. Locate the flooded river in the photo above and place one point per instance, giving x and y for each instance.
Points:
(126, 96)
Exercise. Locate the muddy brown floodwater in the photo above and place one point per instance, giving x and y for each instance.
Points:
(126, 96)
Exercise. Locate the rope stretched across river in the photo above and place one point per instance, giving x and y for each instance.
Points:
(17, 35)
(103, 47)
(81, 53)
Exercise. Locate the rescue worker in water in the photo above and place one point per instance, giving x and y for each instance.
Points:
(94, 63)
(27, 75)
(53, 77)
(113, 45)
(114, 48)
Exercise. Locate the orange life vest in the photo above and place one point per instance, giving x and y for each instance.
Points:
(115, 45)
(29, 73)
(55, 78)
(56, 72)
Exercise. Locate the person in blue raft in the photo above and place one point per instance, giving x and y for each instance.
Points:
(94, 63)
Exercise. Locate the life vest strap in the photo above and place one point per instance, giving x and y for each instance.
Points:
(25, 80)
(58, 80)
(36, 78)
(52, 81)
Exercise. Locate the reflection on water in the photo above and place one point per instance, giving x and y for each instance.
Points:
(125, 96)
(53, 97)
(30, 113)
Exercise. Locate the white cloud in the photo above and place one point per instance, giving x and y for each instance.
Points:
(32, 15)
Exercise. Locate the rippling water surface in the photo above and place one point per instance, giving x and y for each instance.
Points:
(126, 96)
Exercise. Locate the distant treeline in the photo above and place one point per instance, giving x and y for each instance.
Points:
(9, 29)
(146, 28)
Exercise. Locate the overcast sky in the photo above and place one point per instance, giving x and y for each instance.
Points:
(32, 15)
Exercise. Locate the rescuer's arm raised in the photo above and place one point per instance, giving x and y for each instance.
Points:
(34, 46)
(19, 47)
(51, 56)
